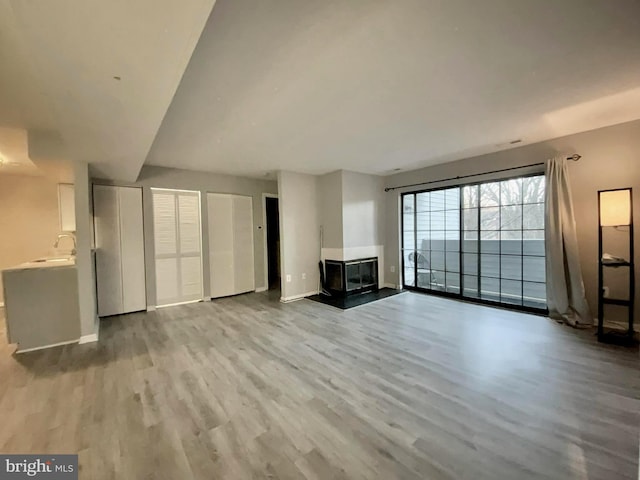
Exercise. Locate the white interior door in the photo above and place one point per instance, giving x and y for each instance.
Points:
(108, 254)
(244, 278)
(220, 215)
(178, 250)
(230, 244)
(134, 295)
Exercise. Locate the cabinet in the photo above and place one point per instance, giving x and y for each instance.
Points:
(119, 256)
(67, 207)
(231, 257)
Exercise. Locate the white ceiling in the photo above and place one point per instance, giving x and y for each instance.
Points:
(314, 86)
(59, 59)
(310, 86)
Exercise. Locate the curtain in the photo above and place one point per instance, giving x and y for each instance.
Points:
(566, 298)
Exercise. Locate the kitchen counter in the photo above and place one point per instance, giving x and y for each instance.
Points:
(41, 303)
(45, 262)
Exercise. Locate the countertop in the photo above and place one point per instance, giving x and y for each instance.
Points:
(51, 262)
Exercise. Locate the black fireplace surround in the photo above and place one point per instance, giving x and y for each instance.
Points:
(351, 276)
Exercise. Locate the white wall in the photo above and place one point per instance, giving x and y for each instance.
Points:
(28, 219)
(610, 159)
(299, 234)
(160, 177)
(330, 209)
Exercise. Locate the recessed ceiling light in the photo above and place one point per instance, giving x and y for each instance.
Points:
(513, 142)
(116, 77)
(396, 169)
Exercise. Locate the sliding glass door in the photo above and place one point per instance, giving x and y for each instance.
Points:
(482, 241)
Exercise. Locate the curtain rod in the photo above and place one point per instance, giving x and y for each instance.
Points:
(575, 157)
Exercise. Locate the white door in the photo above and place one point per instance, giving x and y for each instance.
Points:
(230, 244)
(244, 278)
(106, 220)
(119, 237)
(178, 250)
(134, 292)
(220, 214)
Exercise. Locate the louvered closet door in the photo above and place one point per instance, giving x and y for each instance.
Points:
(178, 251)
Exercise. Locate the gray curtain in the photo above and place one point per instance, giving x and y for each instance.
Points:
(566, 298)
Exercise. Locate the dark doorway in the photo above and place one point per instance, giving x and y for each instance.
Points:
(273, 242)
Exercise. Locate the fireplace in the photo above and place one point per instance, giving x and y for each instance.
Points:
(351, 276)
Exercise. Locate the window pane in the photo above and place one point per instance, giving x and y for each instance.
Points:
(511, 192)
(533, 242)
(408, 257)
(490, 242)
(490, 194)
(511, 267)
(490, 265)
(511, 242)
(437, 220)
(452, 199)
(533, 189)
(533, 269)
(437, 241)
(511, 292)
(452, 282)
(452, 262)
(470, 242)
(422, 202)
(452, 220)
(470, 218)
(490, 218)
(437, 200)
(490, 289)
(407, 203)
(470, 196)
(470, 286)
(511, 217)
(408, 240)
(535, 295)
(470, 263)
(437, 260)
(533, 216)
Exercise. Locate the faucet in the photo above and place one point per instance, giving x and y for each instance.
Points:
(68, 235)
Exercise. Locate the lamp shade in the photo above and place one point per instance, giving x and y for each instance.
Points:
(615, 208)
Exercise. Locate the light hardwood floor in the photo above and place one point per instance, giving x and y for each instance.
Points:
(408, 387)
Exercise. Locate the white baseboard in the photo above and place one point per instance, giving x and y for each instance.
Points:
(293, 298)
(46, 346)
(390, 285)
(261, 289)
(151, 308)
(93, 337)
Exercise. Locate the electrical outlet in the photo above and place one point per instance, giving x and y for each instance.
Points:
(392, 268)
(304, 276)
(288, 278)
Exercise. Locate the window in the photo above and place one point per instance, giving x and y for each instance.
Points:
(482, 241)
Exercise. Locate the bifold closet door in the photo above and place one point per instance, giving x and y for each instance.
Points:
(230, 244)
(134, 292)
(119, 241)
(178, 251)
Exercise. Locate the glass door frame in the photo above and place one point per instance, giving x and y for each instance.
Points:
(444, 293)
